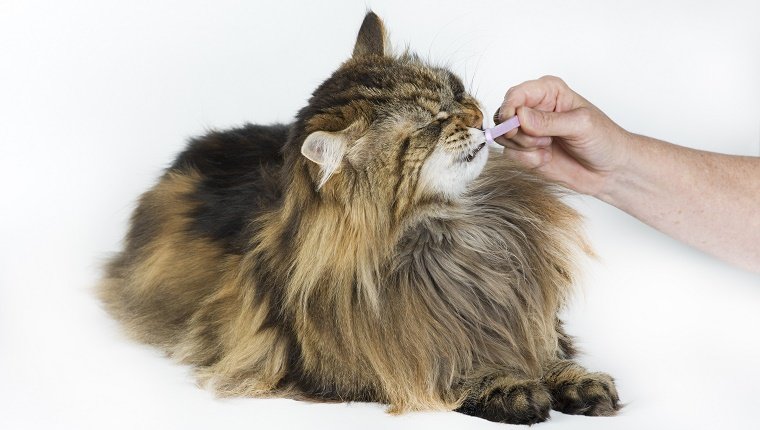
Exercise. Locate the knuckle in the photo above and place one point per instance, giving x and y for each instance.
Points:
(555, 82)
(584, 119)
(552, 79)
(510, 96)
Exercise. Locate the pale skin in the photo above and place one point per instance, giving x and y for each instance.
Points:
(708, 200)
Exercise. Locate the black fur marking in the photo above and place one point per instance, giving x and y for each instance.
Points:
(238, 180)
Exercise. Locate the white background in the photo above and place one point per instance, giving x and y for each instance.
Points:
(97, 97)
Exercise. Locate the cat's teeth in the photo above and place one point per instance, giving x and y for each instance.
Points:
(471, 155)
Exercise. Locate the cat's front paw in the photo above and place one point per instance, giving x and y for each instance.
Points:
(522, 402)
(592, 394)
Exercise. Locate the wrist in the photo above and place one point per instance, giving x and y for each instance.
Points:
(625, 173)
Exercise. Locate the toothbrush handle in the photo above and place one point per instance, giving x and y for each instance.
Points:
(503, 128)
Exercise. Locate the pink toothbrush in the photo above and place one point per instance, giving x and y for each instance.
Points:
(503, 128)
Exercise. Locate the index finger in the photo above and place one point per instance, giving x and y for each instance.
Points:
(549, 94)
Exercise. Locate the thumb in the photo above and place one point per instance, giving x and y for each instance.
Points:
(535, 122)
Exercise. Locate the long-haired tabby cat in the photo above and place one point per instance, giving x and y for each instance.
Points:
(366, 252)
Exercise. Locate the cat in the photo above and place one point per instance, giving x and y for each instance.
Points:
(373, 250)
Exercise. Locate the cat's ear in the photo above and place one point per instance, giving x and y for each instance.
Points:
(326, 149)
(372, 38)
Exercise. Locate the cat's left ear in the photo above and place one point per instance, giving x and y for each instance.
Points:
(372, 38)
(326, 149)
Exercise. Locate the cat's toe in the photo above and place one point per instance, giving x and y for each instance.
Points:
(526, 402)
(593, 394)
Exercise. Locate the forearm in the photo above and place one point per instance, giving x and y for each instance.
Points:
(710, 201)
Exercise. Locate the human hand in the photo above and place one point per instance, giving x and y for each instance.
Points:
(562, 135)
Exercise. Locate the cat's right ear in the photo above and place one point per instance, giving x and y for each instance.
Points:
(326, 149)
(372, 38)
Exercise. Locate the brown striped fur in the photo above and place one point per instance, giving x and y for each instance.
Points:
(370, 287)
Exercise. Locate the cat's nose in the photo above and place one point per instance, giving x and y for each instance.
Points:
(475, 119)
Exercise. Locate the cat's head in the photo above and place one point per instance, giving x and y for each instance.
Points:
(391, 128)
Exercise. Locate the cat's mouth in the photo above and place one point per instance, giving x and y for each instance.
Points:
(473, 152)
